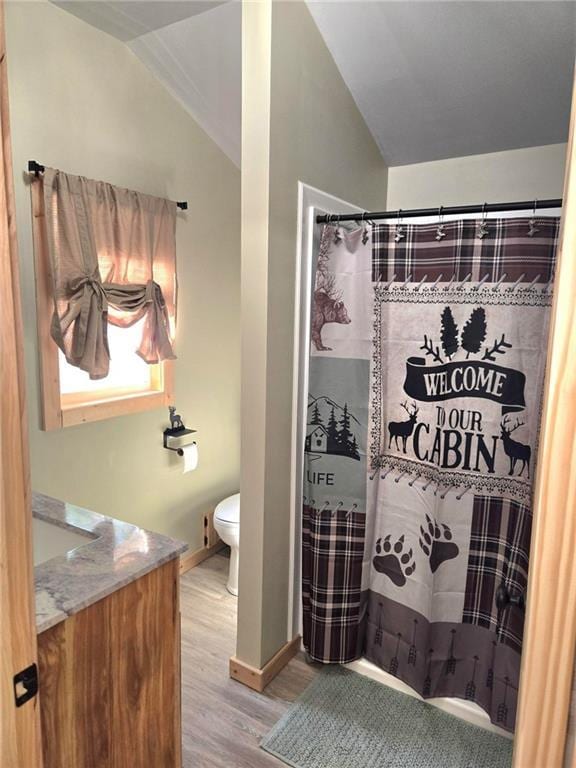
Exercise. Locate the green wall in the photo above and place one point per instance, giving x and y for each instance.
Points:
(82, 102)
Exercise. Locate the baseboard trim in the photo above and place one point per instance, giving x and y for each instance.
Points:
(258, 679)
(191, 559)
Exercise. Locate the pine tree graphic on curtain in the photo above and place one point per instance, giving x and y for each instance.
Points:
(329, 429)
(449, 333)
(474, 332)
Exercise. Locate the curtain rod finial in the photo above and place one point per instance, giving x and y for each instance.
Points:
(35, 168)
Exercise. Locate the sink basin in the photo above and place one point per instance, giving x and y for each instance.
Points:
(51, 540)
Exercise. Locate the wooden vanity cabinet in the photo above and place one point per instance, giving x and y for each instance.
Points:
(110, 679)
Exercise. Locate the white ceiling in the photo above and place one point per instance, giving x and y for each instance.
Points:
(192, 46)
(127, 19)
(448, 79)
(199, 61)
(433, 79)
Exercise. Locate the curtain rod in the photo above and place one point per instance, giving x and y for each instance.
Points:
(328, 218)
(37, 169)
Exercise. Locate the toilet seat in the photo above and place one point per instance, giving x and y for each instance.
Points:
(227, 511)
(227, 525)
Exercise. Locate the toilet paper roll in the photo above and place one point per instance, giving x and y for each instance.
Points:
(190, 453)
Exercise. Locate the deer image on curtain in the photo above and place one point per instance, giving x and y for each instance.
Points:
(427, 356)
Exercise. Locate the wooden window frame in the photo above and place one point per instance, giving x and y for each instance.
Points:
(67, 410)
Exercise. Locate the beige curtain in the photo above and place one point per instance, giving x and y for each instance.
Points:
(112, 258)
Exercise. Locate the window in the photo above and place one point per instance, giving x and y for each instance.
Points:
(70, 397)
(95, 387)
(131, 385)
(127, 370)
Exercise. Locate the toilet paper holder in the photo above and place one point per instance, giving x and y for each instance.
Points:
(176, 429)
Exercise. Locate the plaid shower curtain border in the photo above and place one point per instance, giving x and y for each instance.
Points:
(333, 550)
(499, 553)
(507, 249)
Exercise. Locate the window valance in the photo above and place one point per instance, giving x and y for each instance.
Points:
(112, 257)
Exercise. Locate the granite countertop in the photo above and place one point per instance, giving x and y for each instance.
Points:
(118, 554)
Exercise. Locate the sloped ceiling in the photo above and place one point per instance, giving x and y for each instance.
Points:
(127, 19)
(199, 60)
(432, 79)
(192, 46)
(446, 79)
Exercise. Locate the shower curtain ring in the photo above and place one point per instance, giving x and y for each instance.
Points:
(337, 235)
(482, 228)
(399, 233)
(365, 236)
(440, 228)
(532, 228)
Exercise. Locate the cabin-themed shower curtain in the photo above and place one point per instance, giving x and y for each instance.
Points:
(428, 350)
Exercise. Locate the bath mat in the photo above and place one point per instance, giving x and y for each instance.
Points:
(346, 720)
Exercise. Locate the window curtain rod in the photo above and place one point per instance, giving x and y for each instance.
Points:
(524, 205)
(37, 169)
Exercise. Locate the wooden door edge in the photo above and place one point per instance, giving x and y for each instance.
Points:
(550, 627)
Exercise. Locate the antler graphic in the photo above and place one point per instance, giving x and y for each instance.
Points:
(429, 347)
(506, 426)
(518, 424)
(499, 347)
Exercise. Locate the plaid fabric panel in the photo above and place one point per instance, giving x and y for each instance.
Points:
(499, 552)
(332, 553)
(505, 249)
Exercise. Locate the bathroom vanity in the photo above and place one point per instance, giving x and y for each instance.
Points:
(108, 623)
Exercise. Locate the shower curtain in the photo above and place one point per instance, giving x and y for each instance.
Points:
(428, 350)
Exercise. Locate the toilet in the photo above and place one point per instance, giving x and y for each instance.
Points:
(227, 525)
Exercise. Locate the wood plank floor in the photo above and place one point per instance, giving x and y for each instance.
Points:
(222, 720)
